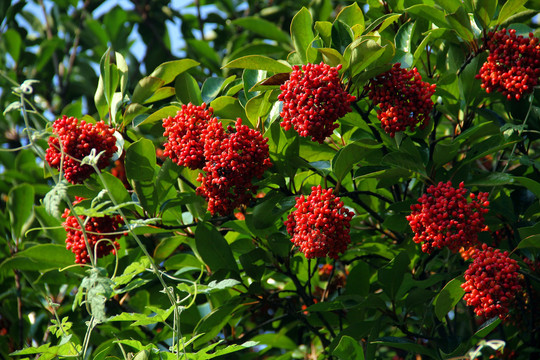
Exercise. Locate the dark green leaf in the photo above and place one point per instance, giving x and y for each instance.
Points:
(448, 297)
(461, 23)
(484, 11)
(532, 241)
(342, 36)
(20, 205)
(40, 257)
(213, 248)
(211, 88)
(406, 344)
(348, 349)
(392, 274)
(141, 173)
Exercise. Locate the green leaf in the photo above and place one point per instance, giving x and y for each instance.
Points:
(211, 88)
(257, 107)
(509, 8)
(100, 99)
(160, 94)
(342, 36)
(262, 27)
(324, 30)
(250, 78)
(271, 209)
(382, 23)
(141, 161)
(228, 107)
(122, 67)
(333, 57)
(530, 242)
(403, 37)
(484, 11)
(13, 43)
(110, 75)
(444, 152)
(145, 88)
(140, 166)
(20, 205)
(486, 328)
(302, 33)
(187, 89)
(213, 248)
(421, 48)
(391, 276)
(404, 161)
(182, 261)
(406, 344)
(430, 13)
(276, 340)
(258, 62)
(167, 246)
(348, 349)
(132, 111)
(346, 158)
(448, 297)
(168, 71)
(530, 184)
(40, 258)
(159, 115)
(53, 198)
(212, 323)
(254, 262)
(115, 187)
(352, 16)
(361, 53)
(461, 23)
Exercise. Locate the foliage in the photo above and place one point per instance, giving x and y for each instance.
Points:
(186, 284)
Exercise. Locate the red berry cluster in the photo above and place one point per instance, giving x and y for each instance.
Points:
(320, 224)
(313, 99)
(492, 282)
(513, 64)
(448, 217)
(404, 100)
(97, 228)
(77, 141)
(184, 145)
(233, 158)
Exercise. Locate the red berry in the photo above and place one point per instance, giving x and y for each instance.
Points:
(97, 228)
(449, 217)
(184, 145)
(313, 99)
(77, 141)
(492, 282)
(233, 158)
(320, 224)
(404, 100)
(513, 64)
